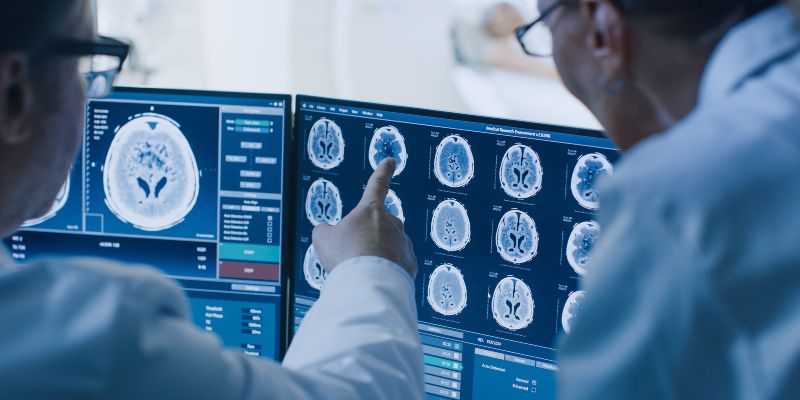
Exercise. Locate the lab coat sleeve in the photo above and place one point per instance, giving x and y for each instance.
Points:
(360, 338)
(358, 342)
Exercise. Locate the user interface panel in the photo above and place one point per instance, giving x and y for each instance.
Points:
(188, 182)
(501, 215)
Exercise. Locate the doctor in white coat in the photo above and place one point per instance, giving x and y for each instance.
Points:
(90, 329)
(694, 287)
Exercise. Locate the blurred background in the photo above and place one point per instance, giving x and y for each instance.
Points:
(454, 55)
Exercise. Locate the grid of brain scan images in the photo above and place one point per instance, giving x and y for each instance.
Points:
(191, 184)
(502, 219)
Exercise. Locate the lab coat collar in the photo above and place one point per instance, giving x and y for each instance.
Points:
(748, 49)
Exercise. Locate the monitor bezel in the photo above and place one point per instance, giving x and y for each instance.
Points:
(287, 187)
(453, 115)
(298, 147)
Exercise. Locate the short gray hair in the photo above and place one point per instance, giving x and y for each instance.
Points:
(691, 19)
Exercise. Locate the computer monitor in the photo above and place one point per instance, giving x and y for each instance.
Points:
(190, 183)
(501, 214)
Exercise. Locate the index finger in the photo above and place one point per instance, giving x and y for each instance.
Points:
(378, 184)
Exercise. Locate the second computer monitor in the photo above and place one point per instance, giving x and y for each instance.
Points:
(190, 183)
(501, 214)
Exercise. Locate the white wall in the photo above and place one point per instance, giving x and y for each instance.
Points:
(386, 51)
(237, 45)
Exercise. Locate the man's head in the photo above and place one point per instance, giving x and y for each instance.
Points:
(41, 103)
(637, 64)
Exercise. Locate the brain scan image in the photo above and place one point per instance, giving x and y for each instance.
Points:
(450, 228)
(388, 142)
(323, 204)
(517, 239)
(588, 170)
(313, 271)
(580, 244)
(58, 204)
(572, 309)
(453, 164)
(325, 144)
(150, 176)
(512, 304)
(394, 206)
(521, 172)
(447, 292)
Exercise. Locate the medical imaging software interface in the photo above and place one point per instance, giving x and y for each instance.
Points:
(190, 184)
(502, 219)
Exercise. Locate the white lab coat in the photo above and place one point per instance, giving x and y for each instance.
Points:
(694, 286)
(90, 329)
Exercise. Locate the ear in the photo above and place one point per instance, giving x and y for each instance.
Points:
(15, 98)
(606, 35)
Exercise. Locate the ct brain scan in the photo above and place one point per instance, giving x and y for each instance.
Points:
(512, 304)
(447, 291)
(394, 206)
(450, 227)
(454, 165)
(580, 244)
(313, 271)
(572, 309)
(323, 204)
(325, 144)
(588, 170)
(58, 204)
(516, 237)
(521, 172)
(150, 175)
(388, 142)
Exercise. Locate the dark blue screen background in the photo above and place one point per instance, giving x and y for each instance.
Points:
(200, 125)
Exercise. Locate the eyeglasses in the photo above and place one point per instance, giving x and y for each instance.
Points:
(536, 38)
(100, 61)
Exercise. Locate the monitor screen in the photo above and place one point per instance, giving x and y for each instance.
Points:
(190, 183)
(501, 214)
